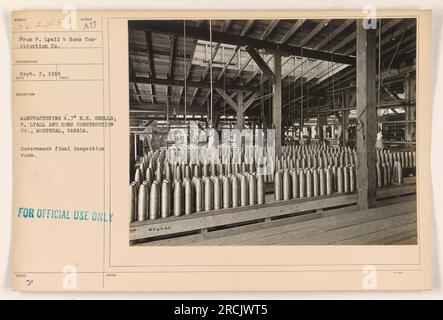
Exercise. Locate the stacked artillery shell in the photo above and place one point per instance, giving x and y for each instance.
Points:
(309, 183)
(340, 182)
(208, 193)
(218, 193)
(154, 201)
(287, 185)
(165, 199)
(278, 183)
(379, 173)
(149, 176)
(198, 194)
(302, 183)
(294, 180)
(187, 186)
(329, 181)
(178, 198)
(346, 186)
(260, 190)
(226, 192)
(235, 191)
(243, 191)
(142, 202)
(133, 201)
(322, 181)
(315, 182)
(398, 172)
(252, 188)
(138, 177)
(351, 179)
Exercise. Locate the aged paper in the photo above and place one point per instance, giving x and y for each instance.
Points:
(73, 228)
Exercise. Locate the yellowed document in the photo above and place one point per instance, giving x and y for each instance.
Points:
(105, 201)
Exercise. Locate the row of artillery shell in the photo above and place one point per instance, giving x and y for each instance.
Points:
(293, 184)
(406, 158)
(184, 197)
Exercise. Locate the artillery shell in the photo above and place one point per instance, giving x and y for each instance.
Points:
(345, 179)
(351, 179)
(205, 170)
(138, 177)
(302, 183)
(340, 187)
(252, 190)
(196, 172)
(208, 193)
(278, 186)
(178, 198)
(322, 181)
(218, 193)
(159, 174)
(235, 192)
(329, 181)
(287, 185)
(309, 183)
(154, 201)
(315, 183)
(178, 173)
(379, 174)
(149, 176)
(226, 192)
(166, 199)
(142, 204)
(399, 173)
(243, 190)
(385, 174)
(133, 202)
(168, 172)
(260, 190)
(198, 194)
(189, 208)
(294, 179)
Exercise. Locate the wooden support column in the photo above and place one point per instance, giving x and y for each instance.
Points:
(366, 115)
(344, 126)
(409, 87)
(240, 113)
(321, 120)
(137, 146)
(131, 156)
(276, 103)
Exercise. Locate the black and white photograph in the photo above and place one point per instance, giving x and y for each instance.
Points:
(272, 132)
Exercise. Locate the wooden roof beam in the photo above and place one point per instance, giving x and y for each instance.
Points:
(190, 84)
(319, 27)
(238, 40)
(288, 35)
(261, 63)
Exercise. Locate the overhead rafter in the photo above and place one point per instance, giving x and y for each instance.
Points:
(132, 74)
(331, 36)
(224, 28)
(148, 38)
(228, 100)
(319, 27)
(172, 57)
(189, 63)
(244, 32)
(261, 63)
(238, 40)
(234, 105)
(190, 84)
(269, 29)
(288, 35)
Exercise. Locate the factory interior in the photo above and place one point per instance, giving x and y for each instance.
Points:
(335, 101)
